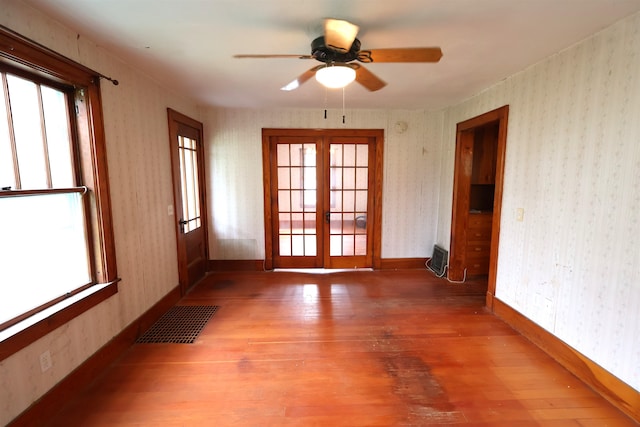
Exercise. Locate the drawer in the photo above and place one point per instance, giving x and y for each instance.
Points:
(478, 266)
(479, 234)
(479, 221)
(474, 248)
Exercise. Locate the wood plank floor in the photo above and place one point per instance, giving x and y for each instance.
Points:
(382, 348)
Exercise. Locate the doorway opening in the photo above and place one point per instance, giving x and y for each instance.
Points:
(477, 197)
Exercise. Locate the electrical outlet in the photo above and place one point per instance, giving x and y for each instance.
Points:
(45, 361)
(170, 210)
(520, 214)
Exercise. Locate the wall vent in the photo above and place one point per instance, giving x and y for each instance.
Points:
(438, 261)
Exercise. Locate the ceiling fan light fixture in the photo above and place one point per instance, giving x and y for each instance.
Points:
(335, 76)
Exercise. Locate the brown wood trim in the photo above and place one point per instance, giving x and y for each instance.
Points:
(100, 185)
(603, 382)
(236, 265)
(259, 265)
(20, 49)
(268, 199)
(402, 263)
(25, 337)
(460, 203)
(44, 191)
(502, 114)
(78, 380)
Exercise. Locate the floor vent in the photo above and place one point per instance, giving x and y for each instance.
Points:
(180, 325)
(439, 260)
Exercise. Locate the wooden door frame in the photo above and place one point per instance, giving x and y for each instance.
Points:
(460, 205)
(269, 199)
(175, 119)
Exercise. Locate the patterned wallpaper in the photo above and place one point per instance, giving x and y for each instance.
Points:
(140, 174)
(411, 173)
(573, 165)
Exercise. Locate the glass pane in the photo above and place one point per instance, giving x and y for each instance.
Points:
(285, 245)
(310, 200)
(349, 154)
(297, 245)
(361, 244)
(361, 201)
(25, 110)
(284, 201)
(339, 202)
(310, 245)
(336, 178)
(7, 177)
(283, 155)
(296, 154)
(349, 178)
(297, 223)
(296, 177)
(362, 156)
(309, 155)
(196, 184)
(348, 223)
(189, 184)
(47, 231)
(336, 154)
(362, 178)
(284, 223)
(56, 120)
(284, 180)
(310, 178)
(335, 245)
(296, 201)
(361, 223)
(347, 245)
(335, 225)
(310, 223)
(349, 201)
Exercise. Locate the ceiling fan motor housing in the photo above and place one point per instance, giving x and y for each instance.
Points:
(323, 53)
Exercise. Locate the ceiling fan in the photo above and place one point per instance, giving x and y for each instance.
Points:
(339, 48)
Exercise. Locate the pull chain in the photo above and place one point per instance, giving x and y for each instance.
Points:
(325, 103)
(343, 115)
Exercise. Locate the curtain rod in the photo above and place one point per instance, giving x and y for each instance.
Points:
(55, 54)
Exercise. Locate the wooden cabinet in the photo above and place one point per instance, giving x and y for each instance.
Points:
(481, 197)
(478, 243)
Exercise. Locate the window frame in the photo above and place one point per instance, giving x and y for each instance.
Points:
(20, 55)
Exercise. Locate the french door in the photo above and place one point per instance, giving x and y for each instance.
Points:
(322, 198)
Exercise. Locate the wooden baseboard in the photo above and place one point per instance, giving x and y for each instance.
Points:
(402, 263)
(258, 265)
(79, 379)
(236, 265)
(603, 382)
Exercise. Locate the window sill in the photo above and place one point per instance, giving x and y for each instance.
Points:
(20, 335)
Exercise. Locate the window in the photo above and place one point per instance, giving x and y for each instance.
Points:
(191, 219)
(57, 256)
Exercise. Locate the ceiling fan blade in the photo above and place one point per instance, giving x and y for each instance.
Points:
(366, 78)
(339, 35)
(275, 56)
(407, 54)
(295, 84)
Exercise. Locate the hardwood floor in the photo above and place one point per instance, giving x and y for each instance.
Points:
(382, 348)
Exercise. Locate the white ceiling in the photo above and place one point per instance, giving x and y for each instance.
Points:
(188, 44)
